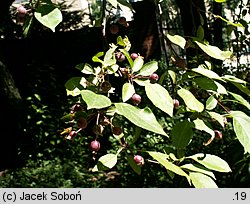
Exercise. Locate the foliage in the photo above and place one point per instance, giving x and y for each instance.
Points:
(96, 105)
(180, 143)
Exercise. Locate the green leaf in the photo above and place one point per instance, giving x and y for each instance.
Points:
(74, 85)
(94, 100)
(214, 51)
(200, 33)
(141, 82)
(198, 168)
(106, 161)
(219, 118)
(162, 159)
(181, 134)
(211, 162)
(178, 40)
(27, 25)
(241, 124)
(172, 74)
(200, 125)
(239, 83)
(220, 1)
(127, 91)
(127, 55)
(206, 72)
(134, 166)
(240, 99)
(211, 103)
(85, 68)
(200, 180)
(189, 99)
(148, 68)
(48, 15)
(109, 57)
(160, 97)
(210, 85)
(143, 118)
(231, 78)
(113, 3)
(138, 63)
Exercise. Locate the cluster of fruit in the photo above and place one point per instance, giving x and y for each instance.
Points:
(116, 24)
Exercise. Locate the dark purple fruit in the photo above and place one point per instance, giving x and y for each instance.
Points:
(134, 55)
(82, 123)
(136, 99)
(114, 29)
(120, 57)
(95, 145)
(117, 130)
(176, 103)
(75, 108)
(153, 78)
(21, 10)
(105, 86)
(122, 20)
(139, 160)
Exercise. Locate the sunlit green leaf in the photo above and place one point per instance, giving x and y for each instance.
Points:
(85, 68)
(160, 97)
(219, 118)
(94, 100)
(106, 161)
(212, 162)
(241, 124)
(162, 159)
(206, 72)
(198, 168)
(190, 100)
(127, 91)
(138, 63)
(214, 51)
(211, 103)
(200, 180)
(143, 118)
(240, 99)
(48, 15)
(148, 68)
(200, 125)
(178, 40)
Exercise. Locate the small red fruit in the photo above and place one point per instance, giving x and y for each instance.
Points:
(21, 10)
(153, 78)
(136, 99)
(116, 130)
(120, 56)
(114, 29)
(122, 20)
(218, 134)
(82, 123)
(95, 145)
(75, 108)
(176, 103)
(134, 55)
(139, 160)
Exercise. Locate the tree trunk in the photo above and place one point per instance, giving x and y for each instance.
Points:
(146, 36)
(191, 12)
(10, 103)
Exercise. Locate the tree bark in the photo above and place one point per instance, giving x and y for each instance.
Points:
(190, 11)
